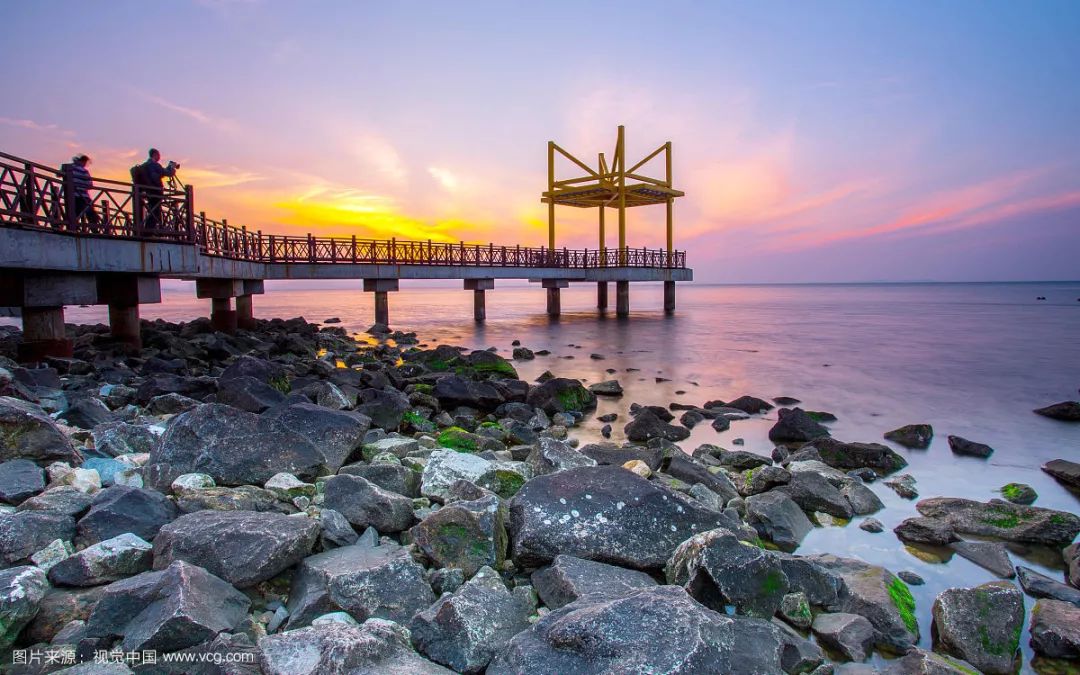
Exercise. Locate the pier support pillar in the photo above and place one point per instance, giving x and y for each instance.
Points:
(622, 298)
(41, 297)
(601, 295)
(380, 287)
(124, 325)
(669, 297)
(123, 293)
(478, 287)
(245, 315)
(222, 315)
(43, 334)
(554, 295)
(221, 292)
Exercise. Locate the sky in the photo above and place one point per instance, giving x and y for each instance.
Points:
(816, 142)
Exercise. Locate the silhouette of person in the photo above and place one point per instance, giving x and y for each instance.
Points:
(152, 176)
(82, 182)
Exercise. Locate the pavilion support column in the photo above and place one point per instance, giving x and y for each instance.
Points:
(124, 324)
(43, 334)
(381, 287)
(669, 297)
(554, 295)
(601, 295)
(622, 298)
(222, 315)
(245, 314)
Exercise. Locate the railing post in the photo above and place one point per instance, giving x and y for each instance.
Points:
(354, 248)
(28, 198)
(189, 216)
(393, 250)
(311, 247)
(227, 245)
(273, 253)
(71, 216)
(461, 254)
(244, 242)
(137, 211)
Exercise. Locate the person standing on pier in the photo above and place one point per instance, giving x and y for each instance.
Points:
(150, 179)
(81, 181)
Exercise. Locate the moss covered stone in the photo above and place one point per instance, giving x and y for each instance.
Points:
(459, 439)
(904, 602)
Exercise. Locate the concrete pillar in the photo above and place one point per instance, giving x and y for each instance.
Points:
(622, 298)
(669, 297)
(245, 316)
(601, 295)
(124, 324)
(380, 287)
(554, 301)
(222, 316)
(43, 334)
(479, 307)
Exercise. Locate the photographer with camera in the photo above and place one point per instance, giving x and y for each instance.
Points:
(150, 177)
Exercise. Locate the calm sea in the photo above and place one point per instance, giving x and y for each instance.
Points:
(970, 359)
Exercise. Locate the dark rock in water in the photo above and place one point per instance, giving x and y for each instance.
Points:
(655, 410)
(862, 499)
(682, 467)
(990, 555)
(1019, 493)
(821, 415)
(721, 424)
(1071, 554)
(962, 446)
(465, 535)
(27, 432)
(912, 436)
(910, 578)
(1065, 472)
(602, 513)
(86, 413)
(560, 394)
(691, 419)
(851, 635)
(25, 533)
(923, 662)
(795, 426)
(1041, 586)
(62, 499)
(523, 354)
(21, 592)
(232, 446)
(925, 531)
(365, 504)
(119, 509)
(607, 388)
(365, 581)
(568, 579)
(903, 485)
(242, 498)
(242, 547)
(109, 560)
(1055, 629)
(748, 404)
(248, 393)
(647, 426)
(1066, 411)
(786, 400)
(465, 630)
(777, 518)
(332, 647)
(20, 479)
(453, 391)
(741, 460)
(1002, 520)
(981, 625)
(175, 608)
(872, 525)
(812, 492)
(384, 407)
(333, 319)
(615, 455)
(845, 456)
(719, 570)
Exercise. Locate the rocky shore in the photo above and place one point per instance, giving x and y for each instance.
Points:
(292, 500)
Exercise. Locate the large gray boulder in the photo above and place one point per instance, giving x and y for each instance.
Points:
(550, 455)
(990, 555)
(365, 581)
(568, 579)
(21, 592)
(384, 407)
(175, 608)
(242, 547)
(777, 518)
(392, 477)
(465, 535)
(1004, 520)
(62, 499)
(20, 479)
(123, 438)
(610, 453)
(690, 471)
(453, 391)
(465, 630)
(374, 648)
(796, 426)
(25, 533)
(602, 513)
(1065, 472)
(847, 456)
(27, 432)
(261, 370)
(646, 425)
(241, 498)
(1055, 629)
(121, 509)
(1041, 586)
(122, 556)
(813, 492)
(719, 570)
(232, 446)
(560, 394)
(981, 625)
(365, 504)
(248, 393)
(337, 434)
(912, 436)
(446, 467)
(849, 634)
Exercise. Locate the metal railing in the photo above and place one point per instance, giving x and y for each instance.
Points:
(35, 196)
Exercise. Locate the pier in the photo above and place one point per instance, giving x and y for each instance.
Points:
(113, 250)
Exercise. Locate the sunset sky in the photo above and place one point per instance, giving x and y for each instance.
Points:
(816, 141)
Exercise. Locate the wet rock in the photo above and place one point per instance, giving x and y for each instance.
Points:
(1002, 520)
(365, 581)
(990, 555)
(795, 426)
(398, 446)
(365, 504)
(332, 647)
(845, 456)
(1055, 629)
(741, 460)
(1019, 493)
(453, 391)
(612, 454)
(445, 467)
(393, 477)
(607, 388)
(602, 513)
(242, 547)
(568, 579)
(232, 446)
(765, 478)
(872, 525)
(719, 570)
(20, 479)
(466, 535)
(561, 395)
(721, 424)
(778, 519)
(248, 393)
(686, 469)
(903, 485)
(861, 498)
(795, 609)
(812, 492)
(748, 404)
(647, 425)
(1065, 472)
(925, 531)
(106, 561)
(920, 662)
(170, 404)
(1066, 411)
(851, 635)
(25, 533)
(962, 446)
(550, 456)
(916, 436)
(337, 434)
(1071, 554)
(86, 413)
(260, 370)
(21, 592)
(242, 498)
(26, 432)
(166, 383)
(523, 354)
(1041, 586)
(981, 625)
(762, 646)
(178, 607)
(121, 509)
(465, 630)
